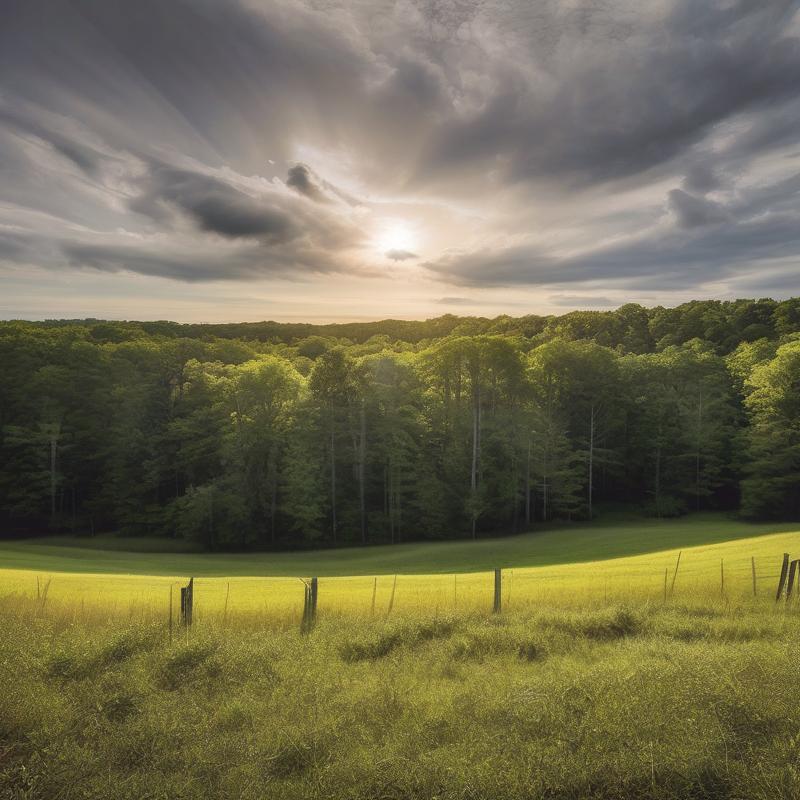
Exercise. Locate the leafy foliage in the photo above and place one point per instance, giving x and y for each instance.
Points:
(268, 434)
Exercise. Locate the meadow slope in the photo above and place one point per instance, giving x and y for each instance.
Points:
(613, 536)
(711, 571)
(594, 683)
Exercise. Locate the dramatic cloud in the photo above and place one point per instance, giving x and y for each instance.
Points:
(303, 179)
(693, 212)
(215, 206)
(540, 153)
(400, 255)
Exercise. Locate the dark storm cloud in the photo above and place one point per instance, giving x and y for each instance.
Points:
(668, 260)
(701, 178)
(701, 241)
(214, 205)
(182, 138)
(302, 178)
(83, 156)
(198, 267)
(218, 79)
(160, 86)
(616, 96)
(694, 212)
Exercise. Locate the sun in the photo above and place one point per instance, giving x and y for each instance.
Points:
(396, 237)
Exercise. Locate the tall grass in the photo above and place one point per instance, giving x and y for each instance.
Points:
(278, 601)
(612, 702)
(589, 684)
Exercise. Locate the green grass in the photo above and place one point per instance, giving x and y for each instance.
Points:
(590, 685)
(652, 703)
(611, 537)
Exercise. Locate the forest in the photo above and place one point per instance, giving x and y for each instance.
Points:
(273, 435)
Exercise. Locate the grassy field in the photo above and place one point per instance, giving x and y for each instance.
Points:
(614, 536)
(590, 684)
(576, 568)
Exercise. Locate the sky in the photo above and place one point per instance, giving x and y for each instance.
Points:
(210, 160)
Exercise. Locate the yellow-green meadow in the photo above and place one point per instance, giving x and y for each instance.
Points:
(744, 571)
(594, 681)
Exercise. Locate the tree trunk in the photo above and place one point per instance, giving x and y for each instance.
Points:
(697, 452)
(591, 459)
(273, 500)
(528, 485)
(211, 520)
(361, 473)
(391, 499)
(473, 484)
(53, 452)
(333, 477)
(658, 480)
(544, 484)
(399, 511)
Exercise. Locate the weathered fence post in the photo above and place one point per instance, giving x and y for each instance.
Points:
(782, 579)
(374, 593)
(391, 598)
(793, 569)
(753, 563)
(675, 574)
(666, 573)
(225, 610)
(309, 605)
(722, 576)
(314, 594)
(187, 603)
(498, 591)
(306, 607)
(170, 613)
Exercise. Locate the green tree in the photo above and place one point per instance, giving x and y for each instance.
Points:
(772, 485)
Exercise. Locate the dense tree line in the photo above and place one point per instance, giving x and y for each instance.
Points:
(264, 434)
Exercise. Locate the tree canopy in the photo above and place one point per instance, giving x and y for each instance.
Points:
(290, 435)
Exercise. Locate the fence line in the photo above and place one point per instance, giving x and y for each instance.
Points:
(563, 586)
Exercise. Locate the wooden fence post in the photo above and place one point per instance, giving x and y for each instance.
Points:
(498, 591)
(722, 576)
(391, 598)
(170, 613)
(793, 568)
(306, 607)
(309, 605)
(314, 595)
(675, 574)
(666, 573)
(374, 593)
(187, 603)
(225, 610)
(782, 579)
(753, 563)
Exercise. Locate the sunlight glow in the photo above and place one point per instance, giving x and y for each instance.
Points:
(396, 236)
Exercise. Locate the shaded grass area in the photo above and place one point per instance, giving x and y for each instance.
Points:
(652, 702)
(613, 537)
(739, 571)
